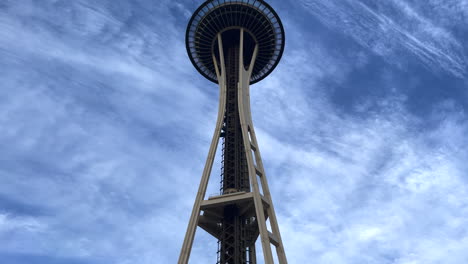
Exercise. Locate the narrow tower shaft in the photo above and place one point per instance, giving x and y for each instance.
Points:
(235, 175)
(237, 245)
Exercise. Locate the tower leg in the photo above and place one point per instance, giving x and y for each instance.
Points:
(255, 166)
(194, 217)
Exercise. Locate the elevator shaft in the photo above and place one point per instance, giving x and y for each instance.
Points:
(237, 245)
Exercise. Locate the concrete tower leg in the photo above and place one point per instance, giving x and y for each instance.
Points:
(194, 217)
(255, 166)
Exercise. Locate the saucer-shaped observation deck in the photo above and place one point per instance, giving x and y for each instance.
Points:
(257, 19)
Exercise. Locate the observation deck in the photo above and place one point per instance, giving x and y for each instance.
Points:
(215, 17)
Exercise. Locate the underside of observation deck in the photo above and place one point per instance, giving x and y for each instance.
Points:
(216, 16)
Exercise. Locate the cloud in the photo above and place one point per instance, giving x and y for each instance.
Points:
(394, 28)
(376, 180)
(8, 223)
(84, 152)
(380, 187)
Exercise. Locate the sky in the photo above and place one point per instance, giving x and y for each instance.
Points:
(105, 127)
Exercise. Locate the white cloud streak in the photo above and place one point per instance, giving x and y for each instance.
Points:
(394, 28)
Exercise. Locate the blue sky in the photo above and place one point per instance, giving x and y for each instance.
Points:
(105, 127)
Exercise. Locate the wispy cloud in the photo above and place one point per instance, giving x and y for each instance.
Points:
(378, 181)
(378, 188)
(85, 103)
(395, 28)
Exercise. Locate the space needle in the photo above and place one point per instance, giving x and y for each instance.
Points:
(235, 44)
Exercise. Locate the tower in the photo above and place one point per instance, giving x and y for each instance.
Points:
(235, 43)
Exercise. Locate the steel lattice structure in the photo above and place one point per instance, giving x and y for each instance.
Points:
(235, 44)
